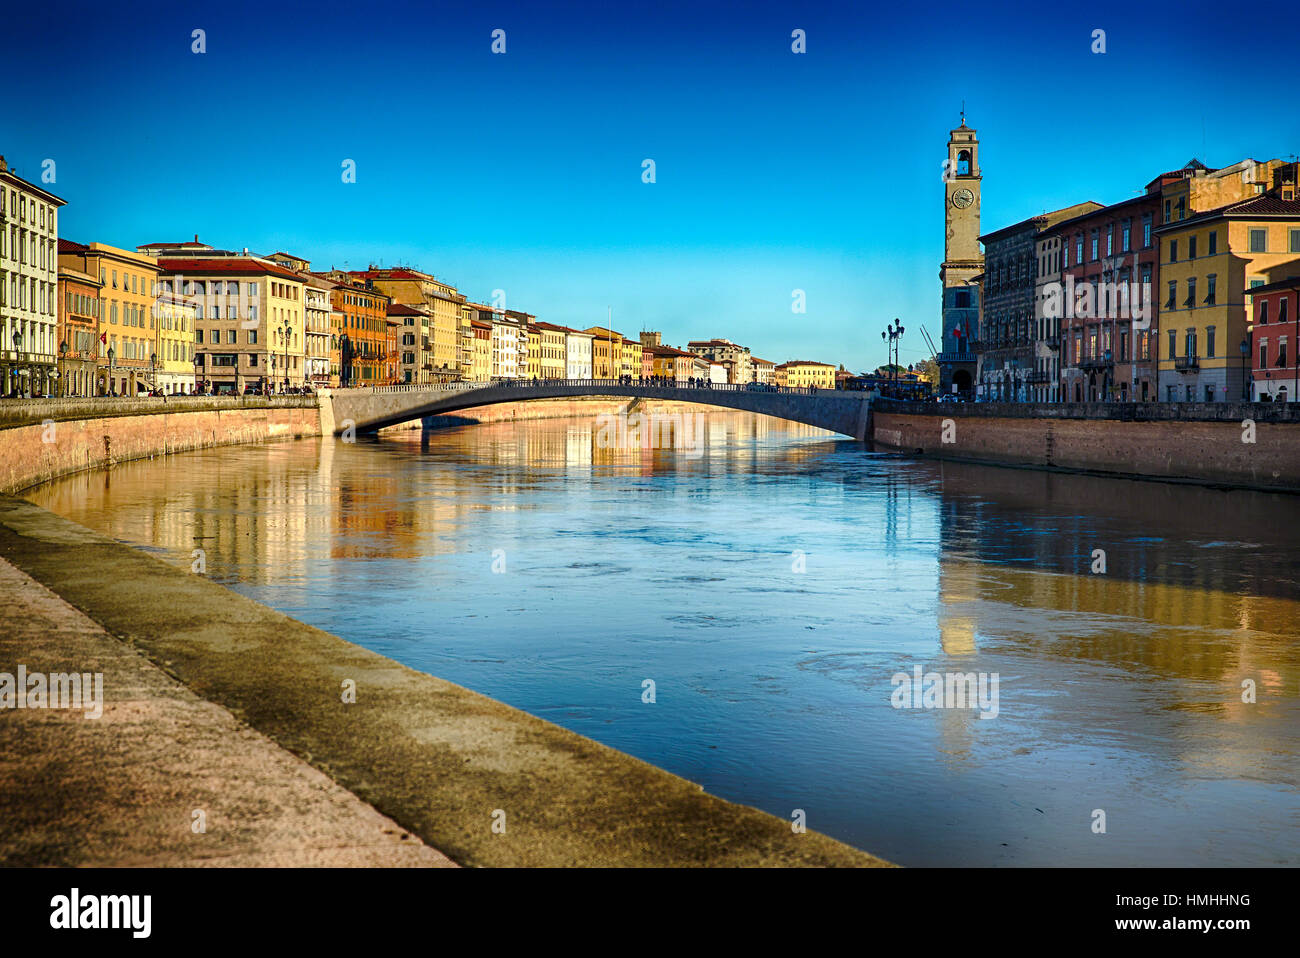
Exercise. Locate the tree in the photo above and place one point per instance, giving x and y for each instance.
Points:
(928, 370)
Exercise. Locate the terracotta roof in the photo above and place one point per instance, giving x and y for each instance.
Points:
(224, 267)
(68, 246)
(804, 362)
(1265, 205)
(401, 309)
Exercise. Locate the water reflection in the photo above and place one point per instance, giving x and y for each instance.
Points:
(1119, 690)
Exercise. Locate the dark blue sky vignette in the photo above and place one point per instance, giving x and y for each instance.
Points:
(775, 171)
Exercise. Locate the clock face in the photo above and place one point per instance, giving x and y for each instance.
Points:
(963, 198)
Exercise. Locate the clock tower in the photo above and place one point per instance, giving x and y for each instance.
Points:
(963, 261)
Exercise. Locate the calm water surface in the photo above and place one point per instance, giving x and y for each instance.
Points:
(1119, 691)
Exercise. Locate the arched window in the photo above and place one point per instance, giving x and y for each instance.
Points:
(963, 163)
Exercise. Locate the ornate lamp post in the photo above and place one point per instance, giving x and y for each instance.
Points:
(153, 369)
(284, 331)
(63, 358)
(112, 384)
(18, 348)
(892, 334)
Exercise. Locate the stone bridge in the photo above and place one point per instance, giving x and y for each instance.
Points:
(370, 408)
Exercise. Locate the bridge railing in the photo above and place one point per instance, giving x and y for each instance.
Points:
(622, 383)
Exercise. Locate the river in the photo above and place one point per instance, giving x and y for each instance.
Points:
(774, 585)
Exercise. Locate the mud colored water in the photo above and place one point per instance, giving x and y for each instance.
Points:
(771, 587)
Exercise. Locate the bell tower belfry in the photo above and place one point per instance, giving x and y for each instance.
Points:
(962, 257)
(963, 260)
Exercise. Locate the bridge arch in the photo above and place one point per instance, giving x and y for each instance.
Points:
(371, 408)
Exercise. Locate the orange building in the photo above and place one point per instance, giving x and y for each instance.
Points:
(362, 336)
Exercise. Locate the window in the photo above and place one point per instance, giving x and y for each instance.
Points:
(1126, 236)
(1211, 285)
(1190, 301)
(1173, 344)
(1191, 344)
(1209, 342)
(252, 337)
(1078, 249)
(1259, 241)
(1167, 202)
(1281, 351)
(1209, 394)
(1173, 295)
(1110, 241)
(1295, 241)
(1214, 242)
(1146, 231)
(252, 359)
(1173, 251)
(1263, 354)
(1191, 247)
(1263, 312)
(1092, 244)
(1281, 310)
(230, 336)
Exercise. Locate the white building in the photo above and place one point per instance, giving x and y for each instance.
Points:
(506, 334)
(29, 282)
(577, 354)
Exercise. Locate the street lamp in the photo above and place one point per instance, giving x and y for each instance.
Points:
(892, 334)
(18, 347)
(63, 357)
(1245, 351)
(284, 331)
(153, 369)
(112, 385)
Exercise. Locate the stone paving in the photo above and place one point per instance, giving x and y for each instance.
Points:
(133, 786)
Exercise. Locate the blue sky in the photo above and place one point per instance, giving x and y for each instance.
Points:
(522, 171)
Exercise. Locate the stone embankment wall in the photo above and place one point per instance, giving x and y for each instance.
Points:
(1252, 445)
(56, 438)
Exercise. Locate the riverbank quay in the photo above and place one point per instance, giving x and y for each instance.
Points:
(44, 439)
(1236, 445)
(126, 767)
(484, 783)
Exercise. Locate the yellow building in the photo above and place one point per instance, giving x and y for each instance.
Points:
(632, 358)
(128, 333)
(534, 369)
(174, 369)
(606, 344)
(1208, 264)
(551, 353)
(804, 372)
(480, 350)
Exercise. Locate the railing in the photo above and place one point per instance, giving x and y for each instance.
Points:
(525, 385)
(1186, 363)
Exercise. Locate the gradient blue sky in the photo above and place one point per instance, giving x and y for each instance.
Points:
(522, 171)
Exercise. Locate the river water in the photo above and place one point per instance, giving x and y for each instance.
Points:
(775, 584)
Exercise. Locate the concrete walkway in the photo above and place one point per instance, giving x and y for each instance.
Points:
(123, 788)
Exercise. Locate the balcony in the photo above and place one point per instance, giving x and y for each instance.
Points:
(1186, 364)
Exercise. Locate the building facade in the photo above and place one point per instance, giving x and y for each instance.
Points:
(1006, 349)
(249, 321)
(802, 373)
(1209, 264)
(29, 282)
(578, 354)
(1275, 334)
(78, 332)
